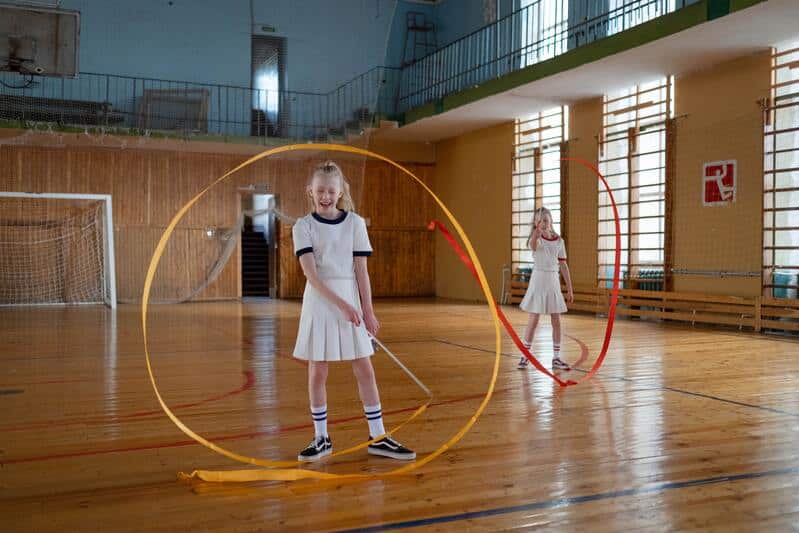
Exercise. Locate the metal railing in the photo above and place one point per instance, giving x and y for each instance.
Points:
(538, 32)
(134, 104)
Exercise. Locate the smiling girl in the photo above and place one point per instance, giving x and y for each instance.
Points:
(337, 316)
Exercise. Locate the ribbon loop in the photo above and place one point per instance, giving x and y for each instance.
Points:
(282, 470)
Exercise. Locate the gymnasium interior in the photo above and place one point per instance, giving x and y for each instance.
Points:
(156, 154)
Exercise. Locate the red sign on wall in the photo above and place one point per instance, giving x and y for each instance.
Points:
(719, 182)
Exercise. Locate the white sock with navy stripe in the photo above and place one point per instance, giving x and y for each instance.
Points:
(556, 349)
(319, 415)
(374, 417)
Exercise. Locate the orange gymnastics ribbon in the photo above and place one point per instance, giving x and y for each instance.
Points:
(272, 470)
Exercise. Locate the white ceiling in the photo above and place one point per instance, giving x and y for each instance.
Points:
(748, 31)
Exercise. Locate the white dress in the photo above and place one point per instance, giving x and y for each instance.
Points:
(324, 334)
(543, 294)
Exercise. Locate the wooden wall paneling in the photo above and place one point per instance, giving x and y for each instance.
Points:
(89, 171)
(394, 200)
(132, 245)
(9, 169)
(403, 263)
(162, 175)
(35, 165)
(149, 186)
(204, 252)
(130, 188)
(292, 280)
(172, 277)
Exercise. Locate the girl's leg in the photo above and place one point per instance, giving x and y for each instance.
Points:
(317, 378)
(367, 384)
(370, 397)
(317, 391)
(557, 362)
(529, 331)
(321, 446)
(556, 330)
(527, 338)
(367, 388)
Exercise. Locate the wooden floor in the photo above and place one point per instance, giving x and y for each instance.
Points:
(682, 429)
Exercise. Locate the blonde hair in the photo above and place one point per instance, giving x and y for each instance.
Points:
(539, 214)
(329, 169)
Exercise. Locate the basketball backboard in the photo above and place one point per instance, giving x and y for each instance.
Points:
(39, 40)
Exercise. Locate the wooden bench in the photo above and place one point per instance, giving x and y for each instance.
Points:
(79, 112)
(756, 313)
(685, 307)
(779, 313)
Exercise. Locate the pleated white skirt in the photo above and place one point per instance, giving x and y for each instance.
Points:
(324, 334)
(543, 294)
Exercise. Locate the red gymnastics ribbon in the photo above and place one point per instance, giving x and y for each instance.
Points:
(614, 294)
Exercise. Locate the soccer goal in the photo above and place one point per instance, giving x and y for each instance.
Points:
(56, 249)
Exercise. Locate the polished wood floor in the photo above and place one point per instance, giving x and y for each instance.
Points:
(683, 428)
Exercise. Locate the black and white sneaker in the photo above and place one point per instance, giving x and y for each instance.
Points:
(321, 447)
(523, 362)
(388, 447)
(560, 364)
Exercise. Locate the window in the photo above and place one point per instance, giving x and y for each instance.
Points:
(591, 20)
(536, 176)
(632, 156)
(268, 67)
(624, 14)
(781, 177)
(543, 29)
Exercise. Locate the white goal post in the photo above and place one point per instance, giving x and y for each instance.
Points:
(56, 248)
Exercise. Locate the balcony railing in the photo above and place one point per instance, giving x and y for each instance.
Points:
(195, 109)
(538, 32)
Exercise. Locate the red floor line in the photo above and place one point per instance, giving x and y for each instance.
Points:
(223, 438)
(53, 382)
(583, 351)
(249, 382)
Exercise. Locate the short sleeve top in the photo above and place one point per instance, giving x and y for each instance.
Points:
(549, 253)
(333, 243)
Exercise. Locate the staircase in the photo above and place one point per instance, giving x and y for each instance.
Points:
(356, 131)
(254, 263)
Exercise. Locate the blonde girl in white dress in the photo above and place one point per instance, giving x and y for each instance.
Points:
(543, 294)
(337, 315)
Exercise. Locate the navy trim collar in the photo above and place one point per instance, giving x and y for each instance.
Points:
(324, 220)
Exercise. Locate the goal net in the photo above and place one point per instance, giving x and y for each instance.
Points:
(56, 249)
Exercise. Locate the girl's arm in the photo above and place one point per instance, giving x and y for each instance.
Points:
(365, 290)
(564, 269)
(309, 269)
(532, 242)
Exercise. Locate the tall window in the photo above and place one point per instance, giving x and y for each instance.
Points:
(536, 176)
(591, 20)
(625, 14)
(267, 81)
(781, 177)
(543, 29)
(632, 155)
